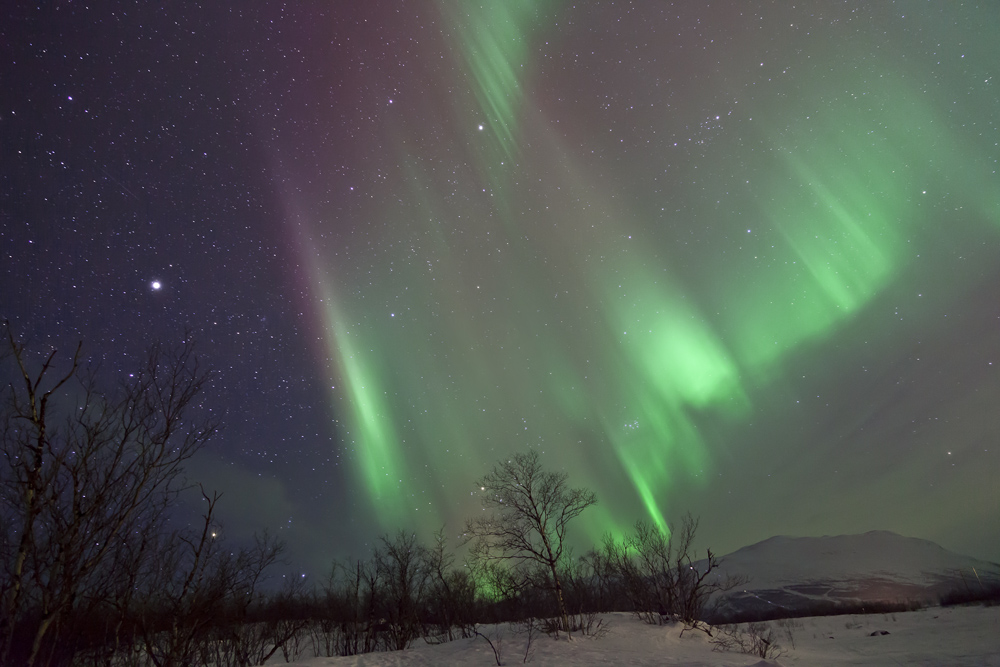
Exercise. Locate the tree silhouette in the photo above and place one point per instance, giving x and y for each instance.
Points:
(85, 476)
(530, 511)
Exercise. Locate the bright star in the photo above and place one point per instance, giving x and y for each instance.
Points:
(156, 285)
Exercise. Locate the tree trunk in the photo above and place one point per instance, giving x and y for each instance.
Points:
(561, 601)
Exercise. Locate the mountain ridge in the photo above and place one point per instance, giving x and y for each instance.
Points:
(790, 575)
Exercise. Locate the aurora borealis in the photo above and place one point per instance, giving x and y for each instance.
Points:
(736, 258)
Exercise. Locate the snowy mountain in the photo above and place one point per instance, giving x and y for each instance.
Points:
(826, 574)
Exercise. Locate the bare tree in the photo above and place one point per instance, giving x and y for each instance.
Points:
(182, 592)
(402, 567)
(349, 608)
(661, 577)
(451, 592)
(199, 599)
(81, 471)
(697, 581)
(530, 510)
(243, 635)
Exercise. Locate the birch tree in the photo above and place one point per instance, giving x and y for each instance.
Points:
(527, 511)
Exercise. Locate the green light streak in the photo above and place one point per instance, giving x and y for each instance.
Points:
(493, 40)
(378, 458)
(848, 254)
(378, 451)
(843, 206)
(671, 364)
(523, 318)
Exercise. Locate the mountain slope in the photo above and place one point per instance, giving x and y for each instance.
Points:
(795, 575)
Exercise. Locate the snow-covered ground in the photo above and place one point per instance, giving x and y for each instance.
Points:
(933, 636)
(786, 573)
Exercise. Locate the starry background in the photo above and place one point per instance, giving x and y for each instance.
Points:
(737, 258)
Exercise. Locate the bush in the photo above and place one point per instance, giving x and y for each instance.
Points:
(659, 577)
(756, 639)
(985, 594)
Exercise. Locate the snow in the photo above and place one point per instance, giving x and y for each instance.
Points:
(875, 566)
(795, 574)
(935, 636)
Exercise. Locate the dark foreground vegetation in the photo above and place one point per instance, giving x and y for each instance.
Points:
(92, 572)
(988, 595)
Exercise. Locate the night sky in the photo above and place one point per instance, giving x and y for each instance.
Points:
(735, 258)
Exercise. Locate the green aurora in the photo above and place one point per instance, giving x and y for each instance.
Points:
(632, 288)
